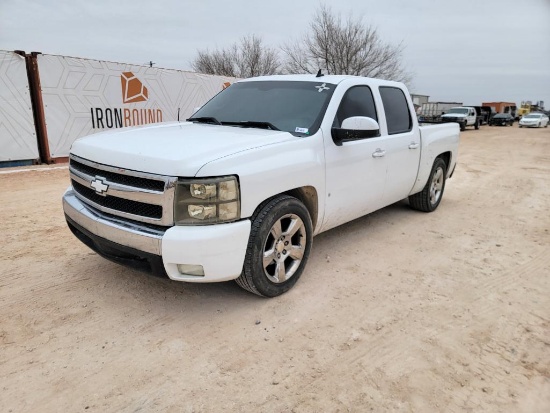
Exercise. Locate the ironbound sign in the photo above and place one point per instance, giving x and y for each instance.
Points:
(83, 96)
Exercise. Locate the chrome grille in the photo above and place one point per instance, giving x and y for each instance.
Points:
(135, 181)
(129, 194)
(119, 204)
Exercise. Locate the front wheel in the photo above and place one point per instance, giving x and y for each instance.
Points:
(278, 247)
(429, 198)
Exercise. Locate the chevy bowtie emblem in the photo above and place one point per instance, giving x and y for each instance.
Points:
(99, 185)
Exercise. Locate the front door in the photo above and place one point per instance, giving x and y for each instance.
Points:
(355, 171)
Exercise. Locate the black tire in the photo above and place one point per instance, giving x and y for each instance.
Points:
(430, 197)
(463, 126)
(278, 225)
(476, 125)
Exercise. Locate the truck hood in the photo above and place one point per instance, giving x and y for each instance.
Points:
(453, 115)
(173, 149)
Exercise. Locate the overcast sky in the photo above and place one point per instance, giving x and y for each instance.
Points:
(468, 51)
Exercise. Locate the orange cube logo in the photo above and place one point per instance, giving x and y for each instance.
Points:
(132, 89)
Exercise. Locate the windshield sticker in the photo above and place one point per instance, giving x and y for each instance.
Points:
(322, 87)
(301, 130)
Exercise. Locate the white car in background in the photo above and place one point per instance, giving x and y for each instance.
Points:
(534, 120)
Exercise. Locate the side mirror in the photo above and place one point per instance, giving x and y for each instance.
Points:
(355, 128)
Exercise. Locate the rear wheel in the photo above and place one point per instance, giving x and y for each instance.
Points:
(278, 247)
(476, 125)
(429, 198)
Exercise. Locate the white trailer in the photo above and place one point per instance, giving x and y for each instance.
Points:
(436, 109)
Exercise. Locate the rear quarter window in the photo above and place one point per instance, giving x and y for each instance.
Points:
(398, 116)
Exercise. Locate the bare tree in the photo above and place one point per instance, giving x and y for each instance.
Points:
(344, 48)
(245, 59)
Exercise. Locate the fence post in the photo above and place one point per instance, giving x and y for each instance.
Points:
(37, 105)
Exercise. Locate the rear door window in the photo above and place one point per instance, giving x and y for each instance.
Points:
(398, 116)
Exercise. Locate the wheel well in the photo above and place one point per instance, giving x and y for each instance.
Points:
(308, 196)
(446, 156)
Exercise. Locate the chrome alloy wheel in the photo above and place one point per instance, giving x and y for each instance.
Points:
(436, 186)
(284, 248)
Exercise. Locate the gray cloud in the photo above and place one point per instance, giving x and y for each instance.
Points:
(463, 51)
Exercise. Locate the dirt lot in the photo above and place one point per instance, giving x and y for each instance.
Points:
(397, 311)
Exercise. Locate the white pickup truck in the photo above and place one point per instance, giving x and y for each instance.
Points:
(464, 116)
(239, 190)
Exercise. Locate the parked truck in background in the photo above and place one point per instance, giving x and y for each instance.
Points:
(485, 113)
(239, 190)
(432, 111)
(464, 116)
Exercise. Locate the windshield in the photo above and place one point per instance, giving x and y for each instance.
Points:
(295, 107)
(501, 115)
(533, 116)
(462, 111)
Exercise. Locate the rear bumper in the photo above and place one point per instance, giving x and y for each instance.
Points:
(219, 249)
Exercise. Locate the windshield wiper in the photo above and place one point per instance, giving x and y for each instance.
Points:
(253, 124)
(205, 119)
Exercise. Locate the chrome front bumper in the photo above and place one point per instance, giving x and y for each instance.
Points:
(219, 249)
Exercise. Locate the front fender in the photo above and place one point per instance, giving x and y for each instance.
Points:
(273, 169)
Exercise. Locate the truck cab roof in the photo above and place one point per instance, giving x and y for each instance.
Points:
(332, 79)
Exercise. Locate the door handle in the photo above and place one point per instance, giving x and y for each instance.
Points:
(378, 153)
(414, 145)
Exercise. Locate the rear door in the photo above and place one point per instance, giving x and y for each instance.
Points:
(402, 145)
(472, 116)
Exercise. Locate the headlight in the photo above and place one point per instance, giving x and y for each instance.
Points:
(207, 201)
